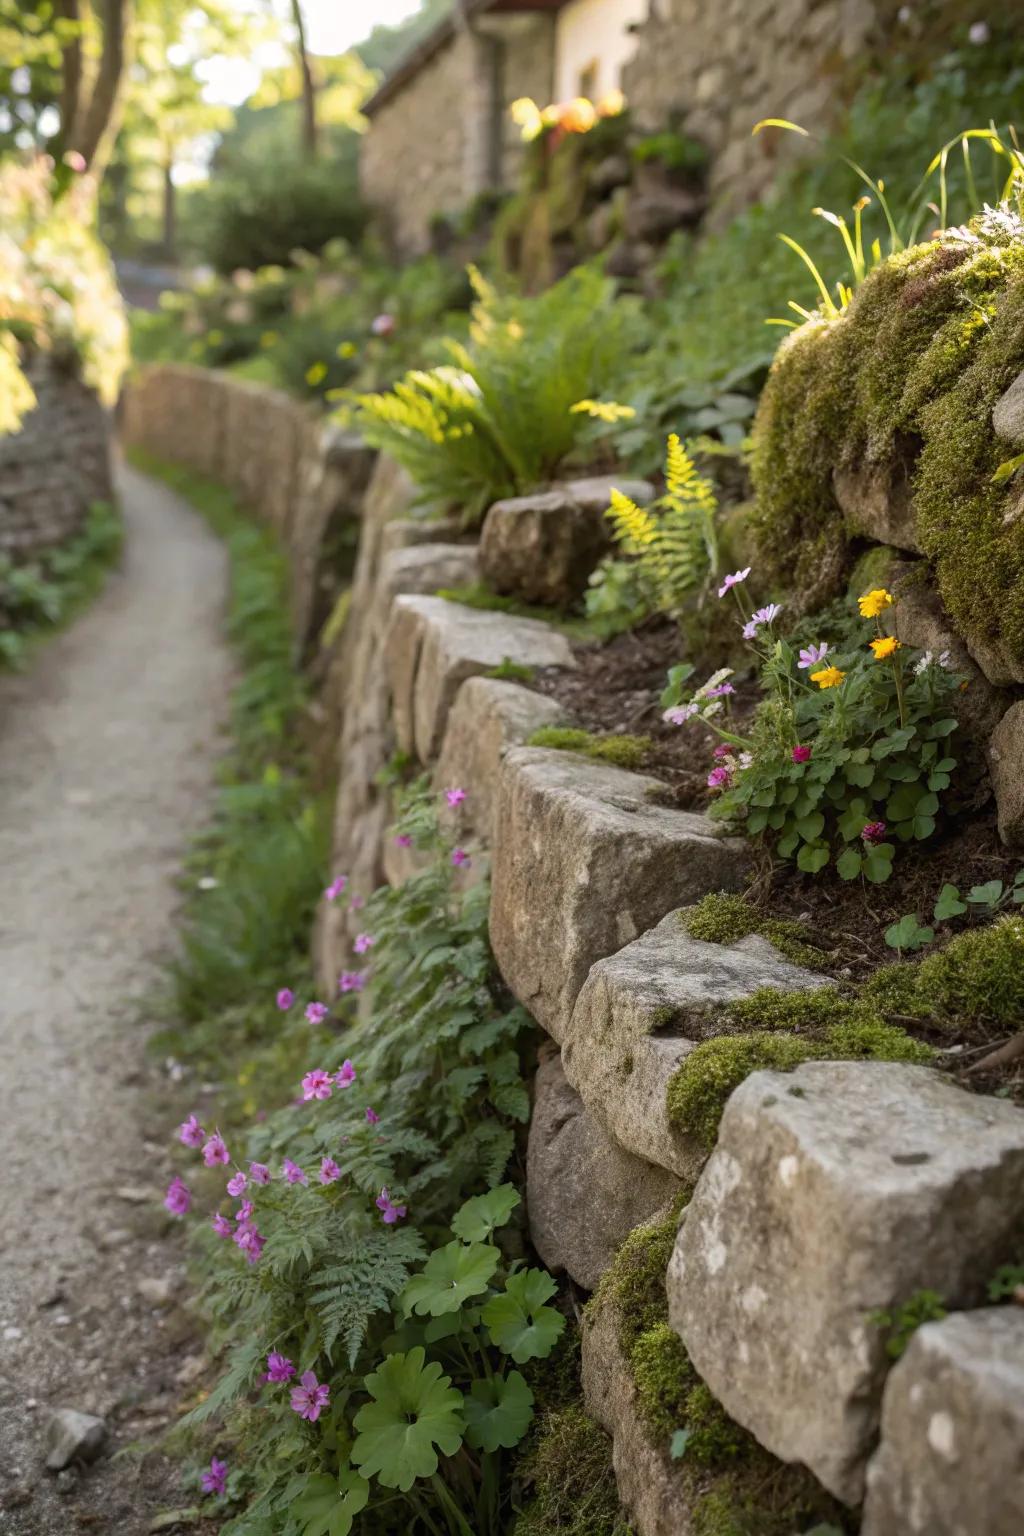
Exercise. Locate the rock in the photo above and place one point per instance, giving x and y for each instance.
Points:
(876, 501)
(158, 1290)
(327, 511)
(656, 1492)
(432, 646)
(584, 861)
(835, 1192)
(630, 1026)
(1006, 767)
(542, 548)
(656, 213)
(952, 1444)
(73, 1436)
(1008, 413)
(488, 717)
(611, 172)
(922, 621)
(584, 1194)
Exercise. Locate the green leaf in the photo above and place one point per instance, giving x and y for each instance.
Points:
(860, 774)
(878, 863)
(451, 1276)
(518, 1321)
(415, 1413)
(848, 864)
(909, 933)
(329, 1506)
(678, 1443)
(938, 780)
(811, 827)
(948, 904)
(786, 845)
(940, 728)
(479, 1217)
(498, 1412)
(986, 895)
(923, 827)
(1008, 468)
(851, 822)
(812, 857)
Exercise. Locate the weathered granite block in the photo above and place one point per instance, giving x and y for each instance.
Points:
(951, 1459)
(333, 478)
(1006, 767)
(876, 501)
(836, 1191)
(585, 860)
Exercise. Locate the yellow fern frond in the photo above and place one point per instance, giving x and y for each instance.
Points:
(634, 526)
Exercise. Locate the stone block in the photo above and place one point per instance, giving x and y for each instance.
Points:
(951, 1459)
(1008, 414)
(876, 502)
(489, 716)
(584, 1194)
(333, 478)
(631, 1027)
(1006, 768)
(585, 860)
(433, 646)
(835, 1192)
(658, 213)
(72, 1436)
(922, 621)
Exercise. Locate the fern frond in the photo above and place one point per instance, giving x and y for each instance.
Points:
(633, 526)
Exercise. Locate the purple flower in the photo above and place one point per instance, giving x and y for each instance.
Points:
(245, 1210)
(285, 999)
(215, 1151)
(383, 324)
(190, 1132)
(259, 1173)
(403, 840)
(766, 615)
(801, 754)
(390, 1213)
(750, 629)
(317, 1084)
(335, 888)
(722, 750)
(720, 691)
(279, 1367)
(222, 1226)
(811, 655)
(455, 796)
(873, 832)
(177, 1199)
(311, 1397)
(460, 858)
(733, 581)
(329, 1170)
(372, 1117)
(215, 1481)
(293, 1173)
(357, 903)
(680, 713)
(720, 777)
(250, 1242)
(236, 1184)
(351, 981)
(364, 941)
(345, 1075)
(316, 1012)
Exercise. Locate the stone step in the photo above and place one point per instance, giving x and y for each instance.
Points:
(633, 1026)
(836, 1192)
(584, 861)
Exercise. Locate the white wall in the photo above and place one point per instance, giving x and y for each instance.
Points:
(589, 32)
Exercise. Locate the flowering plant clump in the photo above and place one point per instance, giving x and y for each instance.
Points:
(848, 750)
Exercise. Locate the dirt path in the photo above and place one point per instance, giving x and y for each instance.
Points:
(107, 747)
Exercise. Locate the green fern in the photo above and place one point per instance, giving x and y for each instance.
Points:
(346, 1295)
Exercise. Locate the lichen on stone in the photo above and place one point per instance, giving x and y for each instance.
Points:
(723, 918)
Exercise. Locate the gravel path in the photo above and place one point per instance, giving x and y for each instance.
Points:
(107, 746)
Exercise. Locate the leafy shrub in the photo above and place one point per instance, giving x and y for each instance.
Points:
(259, 217)
(902, 1322)
(40, 594)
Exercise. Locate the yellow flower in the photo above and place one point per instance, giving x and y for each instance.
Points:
(828, 677)
(316, 374)
(884, 647)
(873, 603)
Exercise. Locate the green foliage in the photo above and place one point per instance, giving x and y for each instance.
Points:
(978, 975)
(39, 595)
(1007, 1284)
(908, 933)
(902, 1322)
(721, 917)
(414, 1413)
(258, 218)
(569, 1472)
(512, 671)
(622, 751)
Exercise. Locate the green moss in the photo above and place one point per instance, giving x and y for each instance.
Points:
(698, 1091)
(722, 918)
(893, 990)
(622, 751)
(512, 671)
(800, 1012)
(664, 1380)
(634, 1283)
(570, 1473)
(979, 975)
(864, 1036)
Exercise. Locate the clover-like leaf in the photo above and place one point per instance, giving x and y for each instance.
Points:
(328, 1506)
(848, 864)
(812, 857)
(877, 863)
(479, 1217)
(451, 1276)
(415, 1413)
(518, 1321)
(948, 904)
(498, 1412)
(985, 895)
(909, 933)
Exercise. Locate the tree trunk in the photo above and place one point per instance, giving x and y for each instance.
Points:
(97, 120)
(71, 75)
(310, 135)
(170, 234)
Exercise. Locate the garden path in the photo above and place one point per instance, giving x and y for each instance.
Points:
(107, 747)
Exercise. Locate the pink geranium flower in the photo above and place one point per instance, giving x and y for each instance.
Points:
(215, 1481)
(372, 1117)
(279, 1367)
(336, 887)
(364, 941)
(801, 754)
(236, 1184)
(390, 1213)
(215, 1151)
(311, 1398)
(351, 981)
(720, 777)
(293, 1173)
(345, 1075)
(455, 797)
(733, 581)
(259, 1173)
(177, 1199)
(460, 858)
(329, 1171)
(222, 1226)
(191, 1133)
(403, 840)
(317, 1084)
(285, 999)
(316, 1012)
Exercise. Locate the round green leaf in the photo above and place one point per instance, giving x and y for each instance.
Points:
(948, 904)
(877, 863)
(848, 864)
(479, 1217)
(985, 895)
(328, 1506)
(498, 1412)
(518, 1321)
(415, 1413)
(452, 1275)
(908, 933)
(812, 857)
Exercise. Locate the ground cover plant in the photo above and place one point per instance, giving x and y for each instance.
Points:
(37, 596)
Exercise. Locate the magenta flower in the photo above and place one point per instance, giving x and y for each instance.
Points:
(372, 1117)
(245, 1210)
(801, 754)
(177, 1199)
(460, 858)
(215, 1481)
(191, 1133)
(733, 581)
(873, 832)
(720, 777)
(285, 999)
(357, 903)
(236, 1184)
(403, 840)
(222, 1226)
(811, 655)
(390, 1213)
(215, 1151)
(722, 750)
(316, 1012)
(250, 1242)
(279, 1367)
(721, 691)
(351, 981)
(363, 942)
(750, 630)
(680, 713)
(329, 1171)
(293, 1173)
(345, 1075)
(259, 1173)
(311, 1398)
(335, 888)
(317, 1084)
(455, 796)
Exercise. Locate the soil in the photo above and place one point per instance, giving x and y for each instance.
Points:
(107, 750)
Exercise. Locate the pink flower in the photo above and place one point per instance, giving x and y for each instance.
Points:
(372, 1118)
(177, 1199)
(236, 1184)
(403, 840)
(215, 1481)
(455, 796)
(293, 1173)
(317, 1084)
(329, 1171)
(250, 1242)
(680, 713)
(245, 1210)
(75, 160)
(279, 1367)
(801, 754)
(733, 581)
(722, 750)
(873, 832)
(285, 999)
(720, 777)
(811, 655)
(460, 858)
(190, 1132)
(311, 1398)
(259, 1173)
(351, 981)
(383, 324)
(316, 1012)
(222, 1226)
(721, 691)
(335, 888)
(357, 903)
(345, 1074)
(363, 942)
(390, 1213)
(215, 1151)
